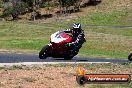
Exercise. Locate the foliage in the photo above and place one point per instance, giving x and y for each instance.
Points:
(48, 4)
(1, 5)
(15, 9)
(68, 3)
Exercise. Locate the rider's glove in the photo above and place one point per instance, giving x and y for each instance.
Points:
(71, 44)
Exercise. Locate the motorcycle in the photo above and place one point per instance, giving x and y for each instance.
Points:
(130, 57)
(58, 47)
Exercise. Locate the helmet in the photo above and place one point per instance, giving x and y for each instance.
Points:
(77, 26)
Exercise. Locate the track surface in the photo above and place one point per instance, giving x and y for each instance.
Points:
(17, 58)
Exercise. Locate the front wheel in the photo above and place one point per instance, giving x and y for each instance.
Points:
(130, 57)
(43, 53)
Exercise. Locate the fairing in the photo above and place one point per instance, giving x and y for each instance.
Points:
(60, 37)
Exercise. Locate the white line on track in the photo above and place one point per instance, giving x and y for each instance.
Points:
(43, 63)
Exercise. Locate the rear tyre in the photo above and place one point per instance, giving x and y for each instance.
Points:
(71, 55)
(130, 57)
(68, 57)
(43, 53)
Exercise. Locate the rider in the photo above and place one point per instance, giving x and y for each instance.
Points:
(78, 36)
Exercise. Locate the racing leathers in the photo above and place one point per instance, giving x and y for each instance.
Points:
(78, 38)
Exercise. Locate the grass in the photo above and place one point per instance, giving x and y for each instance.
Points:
(101, 41)
(115, 18)
(23, 36)
(105, 45)
(107, 41)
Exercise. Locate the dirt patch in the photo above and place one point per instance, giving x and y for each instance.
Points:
(55, 76)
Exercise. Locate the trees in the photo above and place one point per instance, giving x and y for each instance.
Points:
(67, 3)
(13, 8)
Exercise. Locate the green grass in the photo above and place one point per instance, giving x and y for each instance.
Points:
(24, 36)
(104, 41)
(101, 41)
(110, 30)
(113, 18)
(23, 43)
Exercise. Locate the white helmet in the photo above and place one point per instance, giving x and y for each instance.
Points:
(77, 26)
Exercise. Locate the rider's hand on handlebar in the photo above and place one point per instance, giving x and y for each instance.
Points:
(70, 44)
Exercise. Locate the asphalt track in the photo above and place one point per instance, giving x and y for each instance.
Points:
(31, 58)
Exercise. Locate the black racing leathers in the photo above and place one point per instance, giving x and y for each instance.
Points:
(78, 37)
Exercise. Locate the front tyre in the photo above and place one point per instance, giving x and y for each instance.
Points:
(43, 53)
(130, 57)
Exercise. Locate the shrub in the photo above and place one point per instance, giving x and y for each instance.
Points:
(1, 4)
(49, 4)
(15, 10)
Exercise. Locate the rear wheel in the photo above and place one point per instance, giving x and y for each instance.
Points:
(71, 55)
(43, 53)
(68, 57)
(130, 57)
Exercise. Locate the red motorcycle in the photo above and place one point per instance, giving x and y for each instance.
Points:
(58, 47)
